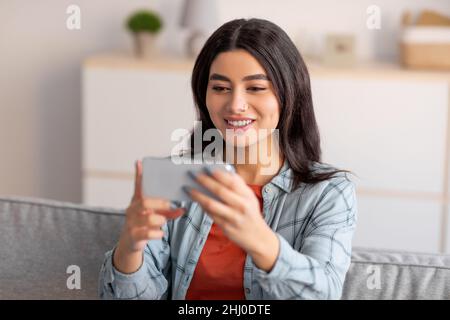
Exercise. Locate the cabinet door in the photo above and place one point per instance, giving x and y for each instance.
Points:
(392, 134)
(107, 191)
(447, 230)
(128, 114)
(400, 224)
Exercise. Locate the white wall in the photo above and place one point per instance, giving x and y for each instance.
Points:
(40, 90)
(40, 63)
(302, 18)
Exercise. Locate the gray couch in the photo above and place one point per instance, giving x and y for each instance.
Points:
(40, 239)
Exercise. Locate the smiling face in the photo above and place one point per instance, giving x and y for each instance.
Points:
(241, 99)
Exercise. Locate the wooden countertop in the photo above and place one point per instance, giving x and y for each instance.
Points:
(370, 70)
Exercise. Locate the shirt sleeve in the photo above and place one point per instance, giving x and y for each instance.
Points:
(317, 270)
(151, 281)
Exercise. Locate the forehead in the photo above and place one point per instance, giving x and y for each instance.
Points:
(236, 64)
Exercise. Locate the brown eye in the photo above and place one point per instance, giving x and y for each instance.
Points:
(219, 89)
(256, 89)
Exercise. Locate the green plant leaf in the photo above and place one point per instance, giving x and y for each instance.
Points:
(144, 21)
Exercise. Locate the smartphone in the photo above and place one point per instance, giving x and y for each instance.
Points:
(163, 178)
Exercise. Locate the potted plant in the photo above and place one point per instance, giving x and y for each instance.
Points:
(144, 25)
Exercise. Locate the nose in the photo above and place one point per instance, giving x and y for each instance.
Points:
(238, 103)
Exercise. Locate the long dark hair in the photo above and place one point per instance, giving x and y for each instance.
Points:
(272, 47)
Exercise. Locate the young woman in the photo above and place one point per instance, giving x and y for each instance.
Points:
(285, 234)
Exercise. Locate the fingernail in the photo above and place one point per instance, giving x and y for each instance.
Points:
(192, 174)
(230, 168)
(186, 189)
(209, 171)
(175, 205)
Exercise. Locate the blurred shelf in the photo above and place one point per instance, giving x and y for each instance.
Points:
(378, 70)
(367, 69)
(126, 61)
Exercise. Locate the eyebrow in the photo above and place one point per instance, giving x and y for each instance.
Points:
(260, 76)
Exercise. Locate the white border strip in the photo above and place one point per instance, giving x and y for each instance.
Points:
(428, 35)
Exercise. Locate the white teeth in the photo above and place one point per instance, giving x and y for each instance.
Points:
(240, 123)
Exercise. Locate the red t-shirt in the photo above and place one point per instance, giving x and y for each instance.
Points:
(219, 274)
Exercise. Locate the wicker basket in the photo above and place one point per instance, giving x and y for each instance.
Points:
(425, 47)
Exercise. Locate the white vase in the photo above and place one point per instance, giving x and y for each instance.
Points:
(195, 43)
(145, 44)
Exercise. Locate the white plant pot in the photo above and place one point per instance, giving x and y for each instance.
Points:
(145, 44)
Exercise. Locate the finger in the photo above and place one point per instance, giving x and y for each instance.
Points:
(135, 208)
(213, 207)
(149, 219)
(147, 234)
(172, 214)
(218, 188)
(155, 220)
(138, 180)
(232, 181)
(155, 203)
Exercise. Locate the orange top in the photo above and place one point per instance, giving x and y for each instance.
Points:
(219, 274)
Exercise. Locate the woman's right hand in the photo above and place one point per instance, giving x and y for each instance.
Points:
(145, 217)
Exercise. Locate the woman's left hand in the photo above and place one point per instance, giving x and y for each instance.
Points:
(238, 214)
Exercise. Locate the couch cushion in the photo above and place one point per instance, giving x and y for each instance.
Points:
(383, 274)
(40, 239)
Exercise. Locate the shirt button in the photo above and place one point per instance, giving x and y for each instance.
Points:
(247, 290)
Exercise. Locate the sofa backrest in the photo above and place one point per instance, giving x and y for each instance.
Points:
(391, 275)
(44, 242)
(40, 239)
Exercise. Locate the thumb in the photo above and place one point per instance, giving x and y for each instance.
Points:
(138, 180)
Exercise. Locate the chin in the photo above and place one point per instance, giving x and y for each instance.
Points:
(241, 142)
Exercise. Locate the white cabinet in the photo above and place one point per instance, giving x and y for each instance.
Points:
(398, 223)
(388, 126)
(128, 113)
(392, 134)
(446, 230)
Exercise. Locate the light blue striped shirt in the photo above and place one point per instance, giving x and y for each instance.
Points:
(314, 224)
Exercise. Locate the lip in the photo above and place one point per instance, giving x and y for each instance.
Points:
(237, 118)
(244, 128)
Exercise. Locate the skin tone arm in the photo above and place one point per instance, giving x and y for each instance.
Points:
(144, 218)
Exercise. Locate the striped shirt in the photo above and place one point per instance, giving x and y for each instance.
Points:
(314, 225)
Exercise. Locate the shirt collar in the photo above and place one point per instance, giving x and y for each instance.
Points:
(284, 178)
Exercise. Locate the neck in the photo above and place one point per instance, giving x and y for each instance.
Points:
(252, 167)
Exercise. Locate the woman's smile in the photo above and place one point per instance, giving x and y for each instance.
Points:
(239, 123)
